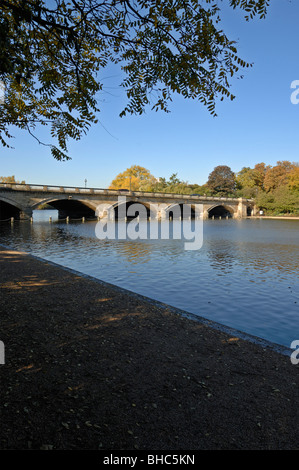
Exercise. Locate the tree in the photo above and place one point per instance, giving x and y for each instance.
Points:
(51, 54)
(135, 178)
(250, 181)
(173, 185)
(245, 178)
(222, 180)
(293, 181)
(285, 200)
(277, 187)
(10, 179)
(260, 171)
(160, 185)
(280, 201)
(278, 175)
(201, 189)
(265, 201)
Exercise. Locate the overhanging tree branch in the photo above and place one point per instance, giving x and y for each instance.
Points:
(50, 58)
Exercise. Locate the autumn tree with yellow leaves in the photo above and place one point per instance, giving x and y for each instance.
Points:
(135, 178)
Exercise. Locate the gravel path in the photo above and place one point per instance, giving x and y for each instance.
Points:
(88, 366)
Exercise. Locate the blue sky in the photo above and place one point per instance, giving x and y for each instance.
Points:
(261, 124)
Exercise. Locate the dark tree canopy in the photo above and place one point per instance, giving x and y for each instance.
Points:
(222, 180)
(52, 51)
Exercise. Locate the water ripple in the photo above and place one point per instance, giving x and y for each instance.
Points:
(246, 275)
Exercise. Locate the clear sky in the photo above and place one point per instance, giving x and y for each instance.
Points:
(260, 125)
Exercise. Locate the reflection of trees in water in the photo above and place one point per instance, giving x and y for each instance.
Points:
(47, 233)
(135, 252)
(254, 257)
(224, 254)
(17, 235)
(264, 256)
(140, 250)
(73, 238)
(43, 236)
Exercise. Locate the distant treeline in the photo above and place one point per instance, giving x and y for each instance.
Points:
(274, 188)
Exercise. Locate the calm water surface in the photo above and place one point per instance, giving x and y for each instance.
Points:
(245, 276)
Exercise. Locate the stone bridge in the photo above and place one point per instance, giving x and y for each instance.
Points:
(19, 200)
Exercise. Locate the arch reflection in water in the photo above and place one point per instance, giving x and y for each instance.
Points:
(191, 230)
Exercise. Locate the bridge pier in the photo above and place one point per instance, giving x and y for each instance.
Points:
(242, 209)
(18, 200)
(26, 214)
(205, 214)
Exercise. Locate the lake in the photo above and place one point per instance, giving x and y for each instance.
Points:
(245, 275)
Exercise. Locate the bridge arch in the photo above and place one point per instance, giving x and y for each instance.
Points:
(77, 201)
(176, 210)
(131, 209)
(69, 207)
(8, 209)
(221, 210)
(126, 208)
(249, 210)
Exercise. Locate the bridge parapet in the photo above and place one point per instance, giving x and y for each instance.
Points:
(26, 197)
(117, 192)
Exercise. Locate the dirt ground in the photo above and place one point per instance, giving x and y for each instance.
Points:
(90, 366)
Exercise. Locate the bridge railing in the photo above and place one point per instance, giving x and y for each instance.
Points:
(88, 191)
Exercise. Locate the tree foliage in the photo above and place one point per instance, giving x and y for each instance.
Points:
(222, 180)
(293, 179)
(172, 185)
(140, 179)
(10, 179)
(278, 175)
(135, 178)
(52, 51)
(282, 197)
(275, 189)
(249, 181)
(279, 201)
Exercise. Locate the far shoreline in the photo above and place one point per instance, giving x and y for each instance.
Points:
(279, 217)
